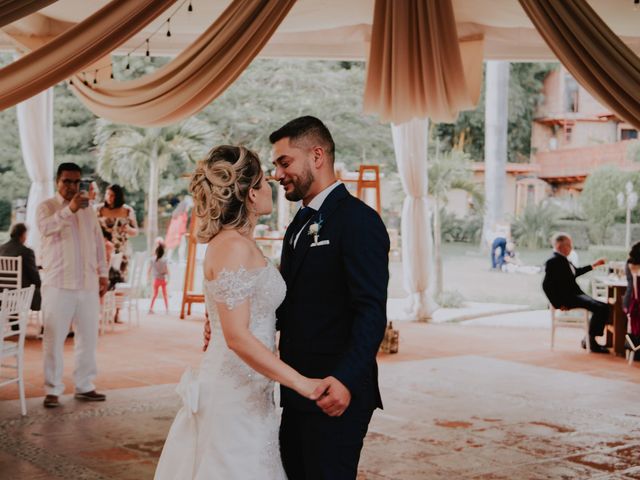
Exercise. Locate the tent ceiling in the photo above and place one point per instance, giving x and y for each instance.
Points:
(338, 29)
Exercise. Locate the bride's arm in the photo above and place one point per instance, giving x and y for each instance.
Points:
(235, 319)
(235, 327)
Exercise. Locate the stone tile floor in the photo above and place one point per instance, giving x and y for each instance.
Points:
(460, 402)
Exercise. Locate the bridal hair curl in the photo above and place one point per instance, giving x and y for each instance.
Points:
(220, 187)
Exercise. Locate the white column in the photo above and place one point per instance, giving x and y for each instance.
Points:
(495, 148)
(410, 142)
(35, 123)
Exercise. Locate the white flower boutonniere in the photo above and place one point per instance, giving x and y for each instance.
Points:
(314, 229)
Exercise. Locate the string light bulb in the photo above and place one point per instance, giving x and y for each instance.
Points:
(95, 77)
(146, 43)
(84, 78)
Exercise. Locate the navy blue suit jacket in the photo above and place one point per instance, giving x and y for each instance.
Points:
(334, 314)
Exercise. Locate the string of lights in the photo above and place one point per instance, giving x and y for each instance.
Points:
(166, 24)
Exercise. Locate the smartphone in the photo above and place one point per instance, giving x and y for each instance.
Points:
(84, 185)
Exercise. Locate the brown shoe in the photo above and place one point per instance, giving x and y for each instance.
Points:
(91, 396)
(51, 401)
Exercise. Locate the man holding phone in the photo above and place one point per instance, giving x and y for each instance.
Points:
(74, 277)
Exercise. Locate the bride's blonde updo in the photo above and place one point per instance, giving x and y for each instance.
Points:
(220, 188)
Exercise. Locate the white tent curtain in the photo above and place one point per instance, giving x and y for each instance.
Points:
(410, 141)
(35, 123)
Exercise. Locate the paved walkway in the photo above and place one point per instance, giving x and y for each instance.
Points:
(461, 401)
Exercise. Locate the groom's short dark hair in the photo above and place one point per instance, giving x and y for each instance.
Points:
(306, 127)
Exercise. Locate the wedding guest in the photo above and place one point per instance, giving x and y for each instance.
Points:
(631, 269)
(74, 278)
(16, 247)
(563, 292)
(159, 270)
(119, 219)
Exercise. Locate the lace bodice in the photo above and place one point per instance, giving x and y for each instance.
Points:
(263, 287)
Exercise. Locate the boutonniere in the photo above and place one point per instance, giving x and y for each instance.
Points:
(314, 229)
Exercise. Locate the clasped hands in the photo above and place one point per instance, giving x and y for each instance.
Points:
(331, 396)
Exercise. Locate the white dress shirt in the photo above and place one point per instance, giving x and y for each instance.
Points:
(316, 203)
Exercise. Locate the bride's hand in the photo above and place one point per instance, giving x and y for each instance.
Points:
(307, 386)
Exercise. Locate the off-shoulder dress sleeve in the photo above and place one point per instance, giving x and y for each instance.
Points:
(233, 287)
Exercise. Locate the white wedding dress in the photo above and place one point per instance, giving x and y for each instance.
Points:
(228, 425)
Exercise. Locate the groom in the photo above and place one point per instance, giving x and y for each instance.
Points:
(335, 264)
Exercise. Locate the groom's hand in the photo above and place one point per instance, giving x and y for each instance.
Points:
(333, 396)
(207, 332)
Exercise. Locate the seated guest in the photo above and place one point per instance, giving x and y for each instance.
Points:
(632, 270)
(563, 292)
(15, 247)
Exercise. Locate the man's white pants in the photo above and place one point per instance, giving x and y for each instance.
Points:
(62, 307)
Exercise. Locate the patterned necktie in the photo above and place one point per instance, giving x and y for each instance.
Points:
(299, 221)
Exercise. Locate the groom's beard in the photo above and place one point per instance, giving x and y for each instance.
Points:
(301, 187)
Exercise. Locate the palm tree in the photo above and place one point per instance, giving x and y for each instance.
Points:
(133, 156)
(451, 171)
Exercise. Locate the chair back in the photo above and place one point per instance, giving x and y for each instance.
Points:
(137, 272)
(10, 272)
(14, 313)
(107, 310)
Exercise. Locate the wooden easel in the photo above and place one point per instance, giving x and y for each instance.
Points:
(188, 295)
(362, 183)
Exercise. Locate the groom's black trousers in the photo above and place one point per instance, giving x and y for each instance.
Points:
(315, 446)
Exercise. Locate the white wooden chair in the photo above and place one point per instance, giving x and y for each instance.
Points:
(127, 294)
(107, 311)
(14, 310)
(631, 348)
(575, 317)
(10, 273)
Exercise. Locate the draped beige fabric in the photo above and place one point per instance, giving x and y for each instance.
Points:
(76, 48)
(416, 68)
(12, 10)
(195, 77)
(594, 55)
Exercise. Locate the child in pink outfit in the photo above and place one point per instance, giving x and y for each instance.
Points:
(159, 271)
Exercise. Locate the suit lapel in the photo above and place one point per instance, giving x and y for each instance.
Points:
(304, 241)
(286, 255)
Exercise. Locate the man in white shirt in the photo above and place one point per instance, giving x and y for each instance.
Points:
(74, 276)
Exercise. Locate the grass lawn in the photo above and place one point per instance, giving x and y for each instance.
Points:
(467, 270)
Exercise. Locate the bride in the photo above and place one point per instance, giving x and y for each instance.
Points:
(228, 426)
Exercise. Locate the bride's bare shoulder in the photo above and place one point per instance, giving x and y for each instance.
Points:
(227, 251)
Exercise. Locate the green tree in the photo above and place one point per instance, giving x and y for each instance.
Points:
(451, 171)
(599, 200)
(271, 92)
(137, 157)
(525, 93)
(535, 225)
